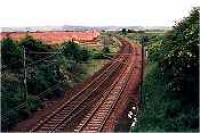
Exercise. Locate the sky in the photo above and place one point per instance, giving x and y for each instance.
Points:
(20, 13)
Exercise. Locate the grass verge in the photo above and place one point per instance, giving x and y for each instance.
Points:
(161, 110)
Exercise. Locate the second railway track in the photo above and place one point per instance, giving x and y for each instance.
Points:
(97, 117)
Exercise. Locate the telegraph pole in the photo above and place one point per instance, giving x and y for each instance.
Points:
(104, 42)
(142, 72)
(142, 64)
(25, 75)
(144, 42)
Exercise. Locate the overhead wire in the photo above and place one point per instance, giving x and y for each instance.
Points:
(42, 93)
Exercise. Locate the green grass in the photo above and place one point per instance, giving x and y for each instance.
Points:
(135, 37)
(161, 111)
(93, 66)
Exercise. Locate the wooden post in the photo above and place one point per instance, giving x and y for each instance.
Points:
(142, 64)
(142, 73)
(104, 43)
(25, 82)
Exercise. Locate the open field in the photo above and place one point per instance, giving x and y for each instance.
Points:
(53, 37)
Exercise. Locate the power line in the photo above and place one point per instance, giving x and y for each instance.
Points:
(16, 62)
(38, 61)
(59, 52)
(35, 52)
(25, 67)
(68, 73)
(37, 97)
(42, 93)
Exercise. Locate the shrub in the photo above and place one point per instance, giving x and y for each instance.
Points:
(73, 51)
(154, 52)
(179, 58)
(34, 45)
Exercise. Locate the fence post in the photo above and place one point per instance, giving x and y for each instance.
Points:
(25, 75)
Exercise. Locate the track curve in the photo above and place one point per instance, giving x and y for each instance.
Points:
(91, 108)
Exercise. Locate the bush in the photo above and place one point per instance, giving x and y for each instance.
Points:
(179, 58)
(162, 112)
(39, 77)
(73, 51)
(171, 89)
(33, 103)
(84, 55)
(154, 52)
(98, 55)
(106, 50)
(42, 78)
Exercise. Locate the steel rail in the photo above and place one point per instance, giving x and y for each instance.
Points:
(63, 105)
(76, 108)
(101, 102)
(104, 99)
(118, 97)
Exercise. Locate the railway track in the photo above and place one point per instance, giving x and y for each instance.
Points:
(53, 121)
(80, 102)
(90, 108)
(97, 117)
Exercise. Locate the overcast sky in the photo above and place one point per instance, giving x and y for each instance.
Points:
(93, 12)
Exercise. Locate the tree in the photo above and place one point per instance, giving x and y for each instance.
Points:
(85, 55)
(144, 40)
(124, 31)
(11, 53)
(34, 45)
(131, 31)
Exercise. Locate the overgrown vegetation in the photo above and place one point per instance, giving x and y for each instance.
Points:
(47, 74)
(170, 88)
